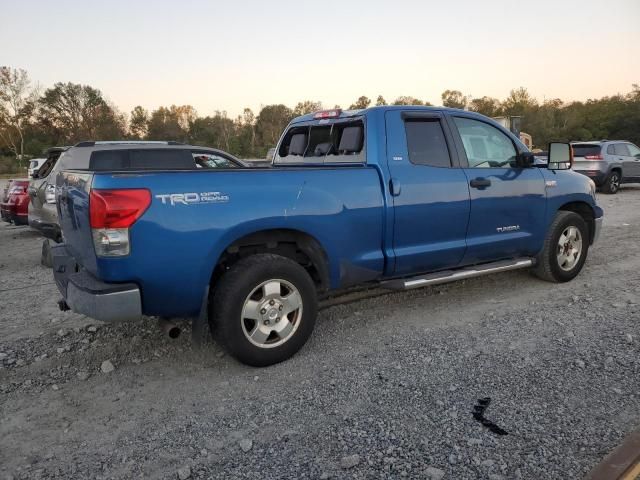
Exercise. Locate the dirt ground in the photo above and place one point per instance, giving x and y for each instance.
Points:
(385, 388)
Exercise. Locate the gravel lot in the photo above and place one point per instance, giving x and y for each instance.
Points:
(385, 388)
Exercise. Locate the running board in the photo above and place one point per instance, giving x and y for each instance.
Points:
(453, 275)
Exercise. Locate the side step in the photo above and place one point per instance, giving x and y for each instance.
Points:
(453, 275)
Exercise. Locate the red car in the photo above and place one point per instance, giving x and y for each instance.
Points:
(14, 206)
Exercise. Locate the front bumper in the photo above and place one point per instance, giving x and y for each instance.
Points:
(85, 294)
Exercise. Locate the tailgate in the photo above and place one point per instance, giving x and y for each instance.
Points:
(72, 198)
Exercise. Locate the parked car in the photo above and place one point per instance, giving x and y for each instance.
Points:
(608, 163)
(14, 207)
(396, 196)
(43, 216)
(34, 165)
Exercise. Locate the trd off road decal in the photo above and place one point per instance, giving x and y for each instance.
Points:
(192, 198)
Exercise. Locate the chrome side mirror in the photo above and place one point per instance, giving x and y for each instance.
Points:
(560, 156)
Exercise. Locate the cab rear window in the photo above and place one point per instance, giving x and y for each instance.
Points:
(323, 142)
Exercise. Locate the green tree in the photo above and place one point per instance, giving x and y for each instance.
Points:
(269, 125)
(380, 101)
(171, 123)
(139, 122)
(519, 102)
(17, 103)
(488, 106)
(454, 99)
(408, 101)
(73, 112)
(361, 103)
(308, 106)
(217, 131)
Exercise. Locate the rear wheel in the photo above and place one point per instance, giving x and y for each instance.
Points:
(264, 309)
(611, 184)
(565, 248)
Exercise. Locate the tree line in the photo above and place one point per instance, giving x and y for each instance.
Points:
(32, 120)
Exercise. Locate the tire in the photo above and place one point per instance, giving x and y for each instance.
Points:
(611, 184)
(251, 304)
(558, 261)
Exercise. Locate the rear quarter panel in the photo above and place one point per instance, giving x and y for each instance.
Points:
(174, 248)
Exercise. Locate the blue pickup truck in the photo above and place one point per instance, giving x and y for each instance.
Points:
(399, 197)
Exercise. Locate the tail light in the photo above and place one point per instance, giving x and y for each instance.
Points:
(111, 214)
(50, 194)
(594, 157)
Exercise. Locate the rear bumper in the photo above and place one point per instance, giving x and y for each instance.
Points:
(597, 176)
(49, 230)
(6, 211)
(20, 218)
(87, 295)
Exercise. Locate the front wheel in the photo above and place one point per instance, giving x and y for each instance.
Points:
(264, 309)
(565, 248)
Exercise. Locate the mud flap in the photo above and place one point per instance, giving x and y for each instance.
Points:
(200, 331)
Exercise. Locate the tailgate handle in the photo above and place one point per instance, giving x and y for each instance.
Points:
(480, 183)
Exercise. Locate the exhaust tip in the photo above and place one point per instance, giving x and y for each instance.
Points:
(170, 328)
(174, 332)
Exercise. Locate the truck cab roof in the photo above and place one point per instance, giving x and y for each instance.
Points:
(356, 113)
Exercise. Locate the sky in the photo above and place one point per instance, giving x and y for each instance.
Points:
(228, 55)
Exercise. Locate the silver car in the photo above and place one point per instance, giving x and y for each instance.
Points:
(43, 216)
(608, 163)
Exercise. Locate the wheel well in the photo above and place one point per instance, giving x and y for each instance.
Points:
(585, 211)
(617, 169)
(298, 246)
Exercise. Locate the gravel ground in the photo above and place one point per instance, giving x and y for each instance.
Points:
(385, 388)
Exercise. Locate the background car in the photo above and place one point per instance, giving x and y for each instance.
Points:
(42, 208)
(34, 165)
(608, 163)
(14, 208)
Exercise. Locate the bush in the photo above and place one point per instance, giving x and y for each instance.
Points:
(9, 165)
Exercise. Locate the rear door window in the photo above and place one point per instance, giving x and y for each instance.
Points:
(426, 143)
(586, 150)
(622, 150)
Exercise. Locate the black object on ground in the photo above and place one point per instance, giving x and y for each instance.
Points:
(478, 414)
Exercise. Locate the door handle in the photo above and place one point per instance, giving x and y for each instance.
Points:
(394, 187)
(480, 183)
